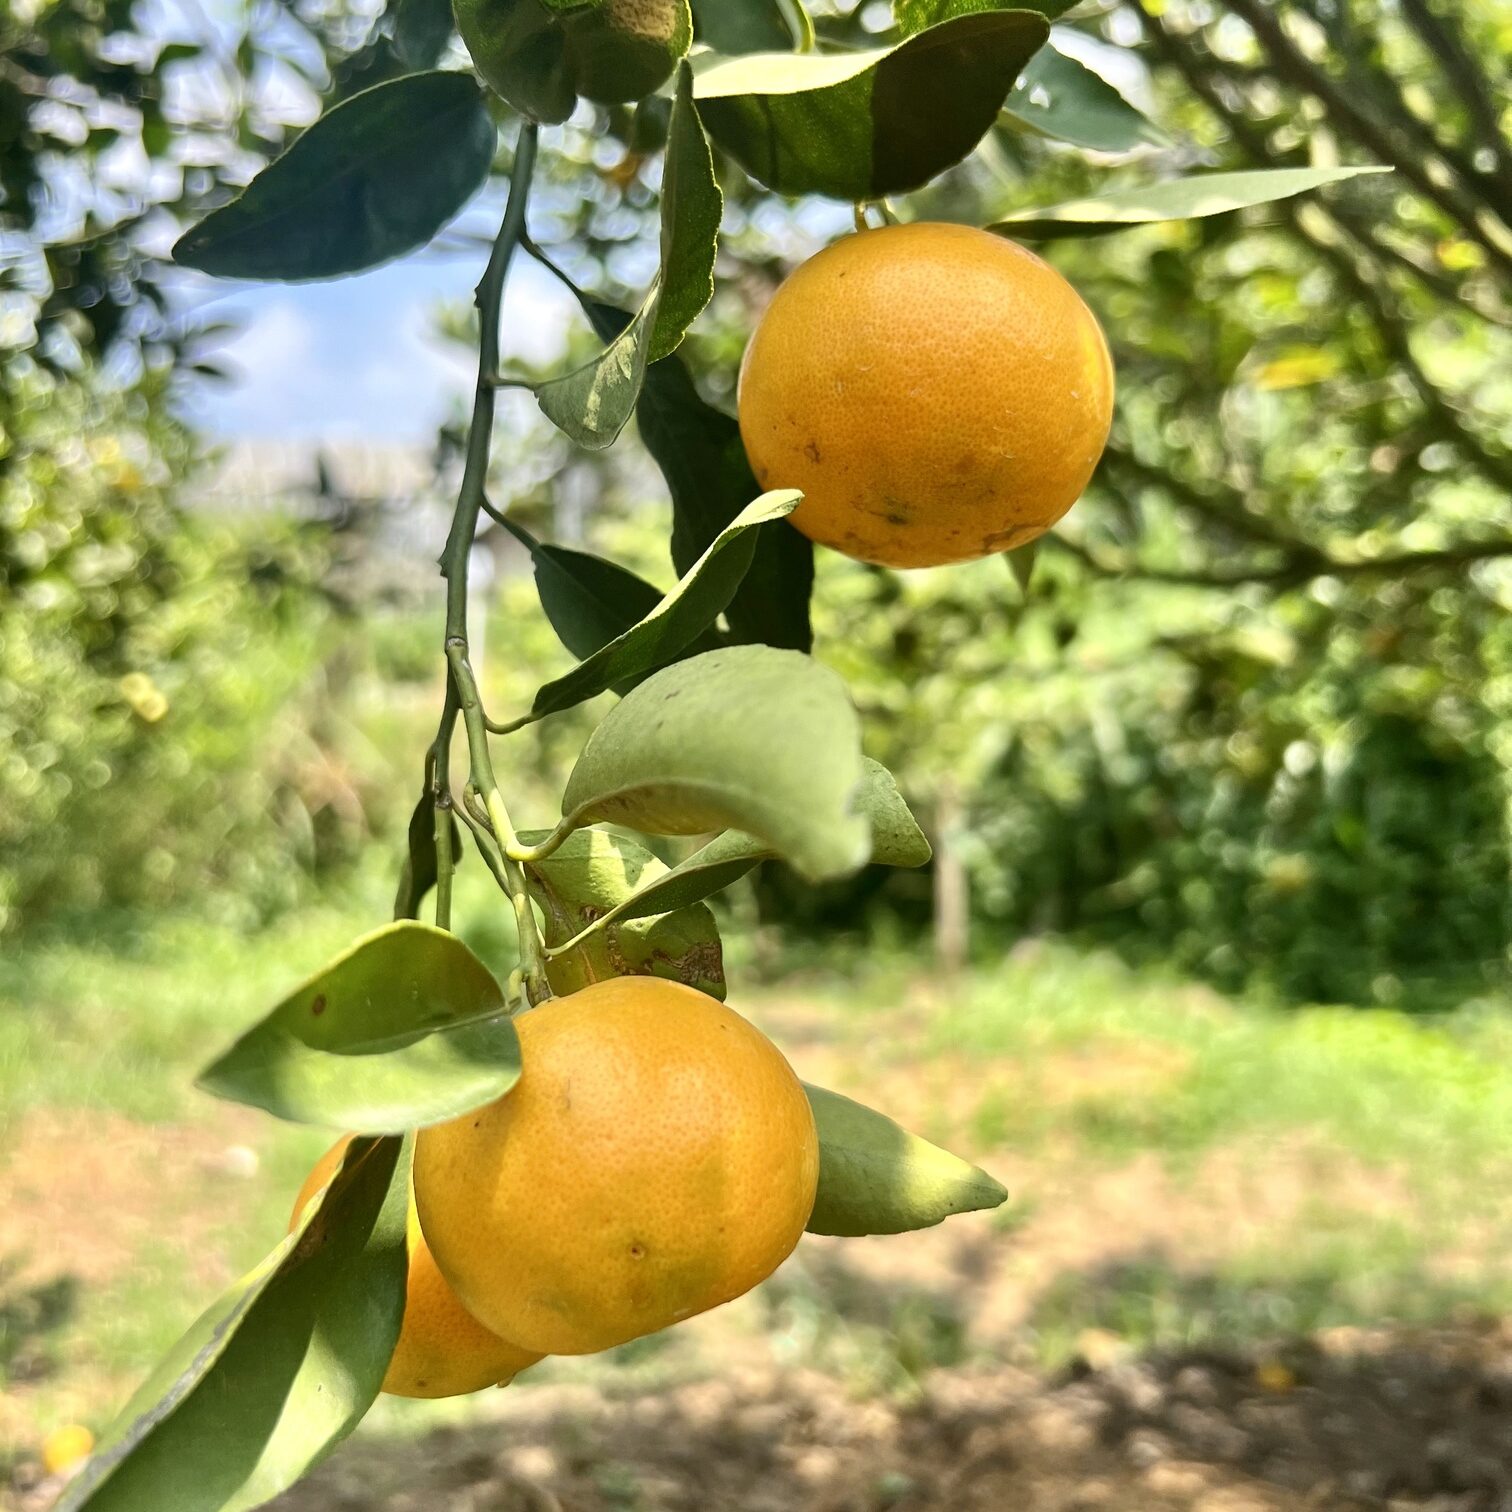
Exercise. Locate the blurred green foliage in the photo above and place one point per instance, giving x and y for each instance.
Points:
(1255, 714)
(145, 656)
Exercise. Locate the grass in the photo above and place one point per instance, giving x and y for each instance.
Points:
(1067, 1066)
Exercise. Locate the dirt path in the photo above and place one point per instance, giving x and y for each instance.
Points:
(1352, 1421)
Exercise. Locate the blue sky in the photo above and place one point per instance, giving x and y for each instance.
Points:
(360, 357)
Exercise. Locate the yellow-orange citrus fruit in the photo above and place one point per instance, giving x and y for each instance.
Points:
(657, 1157)
(63, 1448)
(937, 393)
(442, 1350)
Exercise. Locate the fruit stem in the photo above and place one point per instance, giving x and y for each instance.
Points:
(462, 696)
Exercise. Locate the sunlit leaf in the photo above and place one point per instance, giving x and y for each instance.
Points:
(372, 179)
(1176, 199)
(860, 125)
(746, 738)
(592, 403)
(877, 1178)
(915, 15)
(678, 619)
(406, 1028)
(1063, 98)
(897, 840)
(279, 1370)
(584, 880)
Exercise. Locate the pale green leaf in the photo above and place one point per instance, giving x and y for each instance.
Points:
(279, 1370)
(406, 1028)
(593, 403)
(1175, 199)
(746, 738)
(877, 1178)
(583, 882)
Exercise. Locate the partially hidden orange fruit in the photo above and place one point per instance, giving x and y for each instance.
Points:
(442, 1350)
(938, 393)
(657, 1157)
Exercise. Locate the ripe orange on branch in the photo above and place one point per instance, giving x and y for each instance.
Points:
(938, 393)
(656, 1157)
(442, 1350)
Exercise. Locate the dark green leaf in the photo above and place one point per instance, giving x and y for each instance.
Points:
(593, 403)
(877, 1178)
(372, 179)
(856, 126)
(732, 27)
(700, 453)
(1176, 199)
(745, 738)
(587, 877)
(587, 599)
(677, 620)
(520, 52)
(1064, 99)
(407, 1028)
(422, 28)
(279, 1370)
(418, 875)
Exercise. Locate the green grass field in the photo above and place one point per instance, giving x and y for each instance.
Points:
(1184, 1169)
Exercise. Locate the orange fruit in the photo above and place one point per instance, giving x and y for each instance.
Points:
(442, 1350)
(937, 393)
(657, 1157)
(65, 1447)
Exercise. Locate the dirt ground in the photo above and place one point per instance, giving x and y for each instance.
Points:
(740, 1418)
(1356, 1420)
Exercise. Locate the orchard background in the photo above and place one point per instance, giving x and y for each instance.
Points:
(1210, 966)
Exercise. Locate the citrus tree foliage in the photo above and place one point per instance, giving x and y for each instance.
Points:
(725, 727)
(138, 667)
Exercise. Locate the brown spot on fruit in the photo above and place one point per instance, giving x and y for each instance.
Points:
(319, 1005)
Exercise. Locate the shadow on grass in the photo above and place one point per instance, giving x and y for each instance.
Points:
(1207, 1399)
(31, 1313)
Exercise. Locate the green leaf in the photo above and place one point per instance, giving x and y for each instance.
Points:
(520, 52)
(588, 600)
(277, 1371)
(732, 27)
(592, 403)
(914, 15)
(406, 1029)
(677, 620)
(422, 28)
(877, 1178)
(1176, 199)
(418, 875)
(897, 840)
(586, 878)
(857, 126)
(1062, 98)
(1021, 561)
(745, 738)
(700, 454)
(372, 179)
